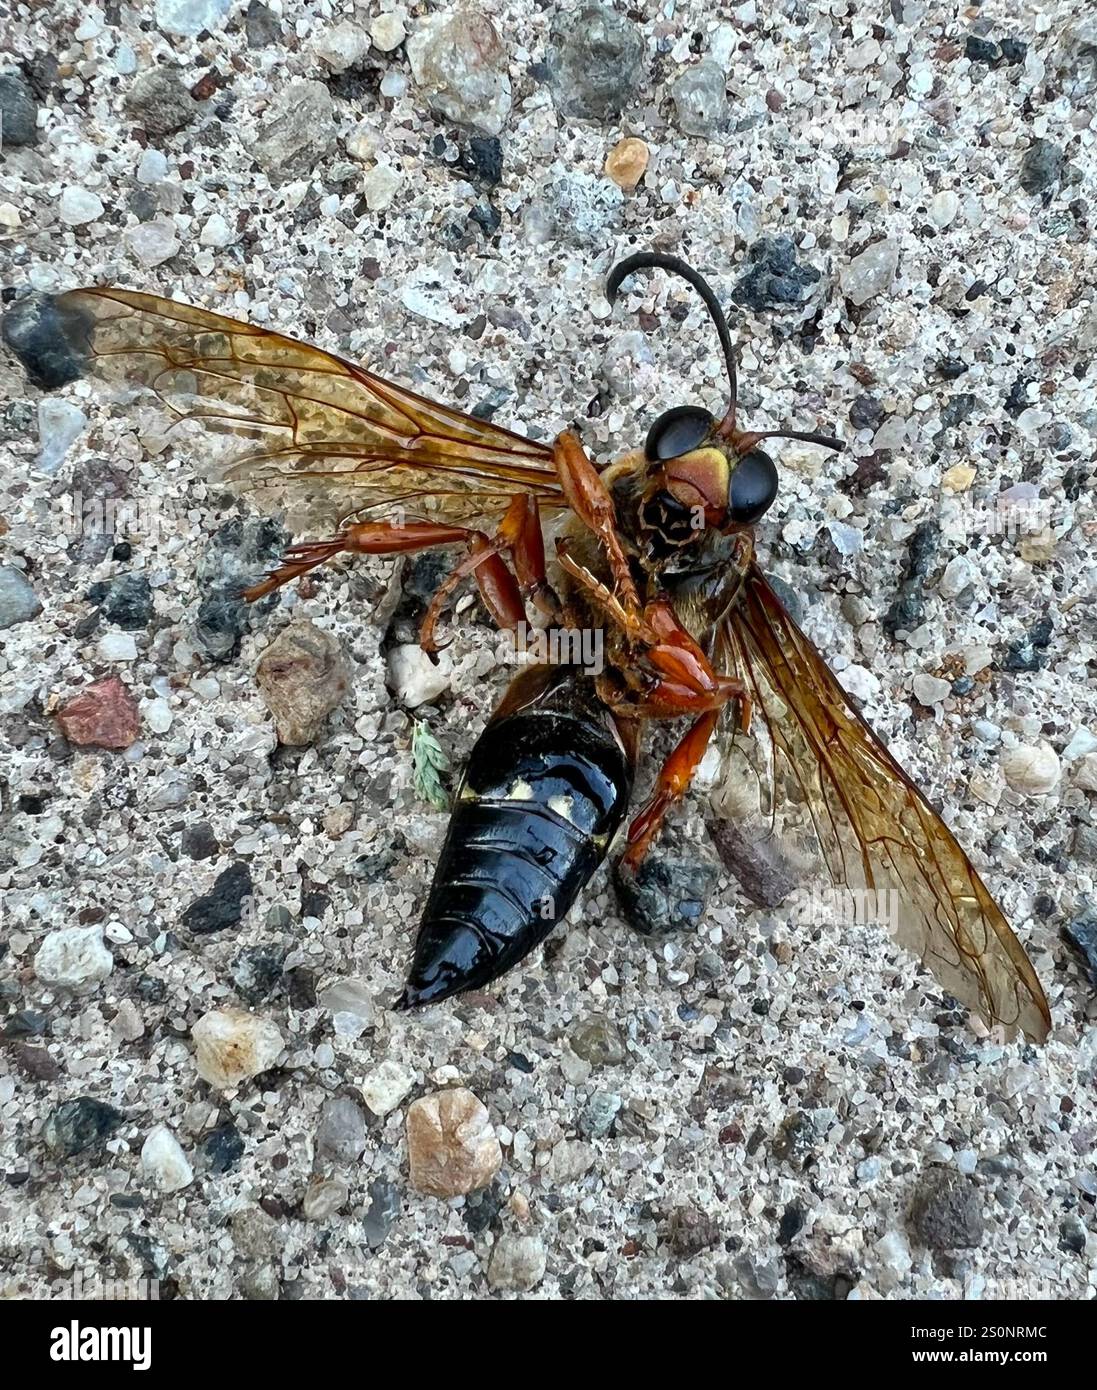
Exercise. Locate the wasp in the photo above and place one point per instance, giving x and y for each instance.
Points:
(655, 551)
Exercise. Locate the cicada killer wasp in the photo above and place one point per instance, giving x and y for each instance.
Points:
(656, 551)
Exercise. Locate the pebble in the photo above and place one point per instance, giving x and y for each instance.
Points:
(224, 905)
(117, 646)
(757, 1282)
(256, 972)
(237, 554)
(163, 1160)
(669, 891)
(323, 1198)
(700, 100)
(74, 958)
(958, 478)
(380, 186)
(341, 1133)
(943, 208)
(595, 60)
(160, 102)
(1081, 743)
(231, 1046)
(1032, 770)
(79, 206)
(459, 62)
(60, 424)
(930, 690)
(958, 576)
(893, 1253)
(18, 601)
(690, 1231)
(303, 676)
(597, 1116)
(75, 1126)
(216, 232)
(1041, 166)
(188, 18)
(1081, 934)
(414, 678)
(945, 1213)
(597, 1041)
(18, 111)
(342, 46)
(297, 132)
(103, 715)
(387, 32)
(570, 1160)
(152, 243)
(774, 276)
(1084, 774)
(452, 1145)
(262, 26)
(627, 162)
(125, 600)
(517, 1263)
(384, 1208)
(865, 413)
(871, 272)
(386, 1086)
(223, 1149)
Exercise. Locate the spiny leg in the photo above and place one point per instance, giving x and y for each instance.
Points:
(589, 499)
(671, 785)
(497, 585)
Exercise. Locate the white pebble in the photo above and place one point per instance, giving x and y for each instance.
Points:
(152, 243)
(380, 185)
(1082, 742)
(930, 690)
(414, 677)
(74, 958)
(118, 646)
(152, 168)
(79, 206)
(1032, 770)
(386, 1086)
(164, 1161)
(216, 232)
(387, 32)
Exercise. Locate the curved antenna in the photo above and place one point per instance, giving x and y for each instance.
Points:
(741, 441)
(654, 260)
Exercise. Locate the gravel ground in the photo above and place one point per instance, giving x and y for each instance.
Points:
(900, 204)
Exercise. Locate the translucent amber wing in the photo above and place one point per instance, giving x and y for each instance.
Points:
(303, 415)
(874, 827)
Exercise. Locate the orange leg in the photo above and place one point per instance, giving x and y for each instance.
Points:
(589, 499)
(497, 585)
(674, 778)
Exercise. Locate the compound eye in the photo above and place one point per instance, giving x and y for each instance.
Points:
(753, 488)
(677, 432)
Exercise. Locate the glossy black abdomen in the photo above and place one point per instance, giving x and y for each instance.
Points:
(544, 791)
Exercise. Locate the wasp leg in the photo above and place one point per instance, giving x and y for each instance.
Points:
(498, 588)
(673, 781)
(521, 529)
(497, 585)
(588, 497)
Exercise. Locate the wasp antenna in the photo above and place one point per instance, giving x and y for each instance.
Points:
(654, 260)
(827, 441)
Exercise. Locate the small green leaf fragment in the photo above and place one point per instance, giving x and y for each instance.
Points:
(429, 762)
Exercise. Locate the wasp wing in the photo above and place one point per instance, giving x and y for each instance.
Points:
(308, 417)
(873, 827)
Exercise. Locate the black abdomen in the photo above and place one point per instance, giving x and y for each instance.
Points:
(544, 791)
